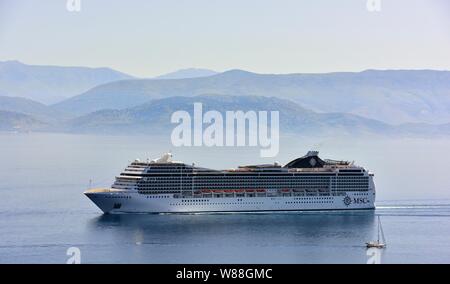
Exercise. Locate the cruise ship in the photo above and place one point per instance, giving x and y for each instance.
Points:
(305, 184)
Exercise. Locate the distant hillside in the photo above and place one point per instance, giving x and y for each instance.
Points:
(188, 73)
(13, 121)
(50, 84)
(32, 108)
(391, 96)
(154, 118)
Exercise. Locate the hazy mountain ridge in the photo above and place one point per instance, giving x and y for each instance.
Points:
(188, 73)
(373, 101)
(32, 108)
(50, 84)
(154, 117)
(13, 121)
(393, 96)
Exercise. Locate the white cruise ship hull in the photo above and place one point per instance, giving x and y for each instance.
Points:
(133, 202)
(307, 183)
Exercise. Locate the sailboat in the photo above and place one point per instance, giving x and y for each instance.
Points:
(378, 243)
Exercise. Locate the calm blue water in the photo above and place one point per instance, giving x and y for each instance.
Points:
(43, 212)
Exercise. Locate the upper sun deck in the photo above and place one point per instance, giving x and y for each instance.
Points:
(309, 163)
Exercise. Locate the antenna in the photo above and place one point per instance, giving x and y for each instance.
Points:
(192, 189)
(378, 229)
(382, 233)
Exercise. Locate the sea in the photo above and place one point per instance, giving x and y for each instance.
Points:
(45, 218)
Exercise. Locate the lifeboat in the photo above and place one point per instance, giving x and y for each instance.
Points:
(285, 190)
(260, 190)
(249, 190)
(229, 191)
(239, 191)
(218, 191)
(206, 191)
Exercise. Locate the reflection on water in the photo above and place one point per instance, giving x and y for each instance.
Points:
(266, 238)
(302, 224)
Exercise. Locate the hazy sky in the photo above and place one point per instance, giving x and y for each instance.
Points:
(147, 38)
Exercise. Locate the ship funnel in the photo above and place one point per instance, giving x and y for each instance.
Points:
(312, 153)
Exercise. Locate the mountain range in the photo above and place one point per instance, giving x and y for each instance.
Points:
(382, 102)
(14, 121)
(154, 118)
(403, 96)
(32, 108)
(188, 73)
(51, 84)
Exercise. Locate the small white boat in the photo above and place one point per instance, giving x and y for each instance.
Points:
(378, 244)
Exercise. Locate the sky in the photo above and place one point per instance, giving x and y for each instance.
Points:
(153, 37)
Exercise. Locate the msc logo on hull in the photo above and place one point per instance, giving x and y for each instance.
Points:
(356, 200)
